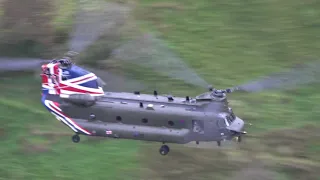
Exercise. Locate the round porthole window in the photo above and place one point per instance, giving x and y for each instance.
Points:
(119, 118)
(171, 123)
(145, 120)
(92, 116)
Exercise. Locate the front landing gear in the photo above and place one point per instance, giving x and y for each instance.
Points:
(76, 138)
(164, 150)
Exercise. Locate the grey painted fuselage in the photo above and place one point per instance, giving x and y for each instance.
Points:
(153, 118)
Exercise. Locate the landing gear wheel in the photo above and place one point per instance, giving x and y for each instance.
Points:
(219, 143)
(76, 138)
(239, 139)
(164, 150)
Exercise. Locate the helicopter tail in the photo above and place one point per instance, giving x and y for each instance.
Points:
(64, 78)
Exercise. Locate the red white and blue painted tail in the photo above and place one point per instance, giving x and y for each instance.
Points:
(70, 80)
(61, 80)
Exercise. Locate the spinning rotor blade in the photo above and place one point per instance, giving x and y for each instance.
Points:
(118, 83)
(20, 64)
(152, 53)
(89, 25)
(301, 75)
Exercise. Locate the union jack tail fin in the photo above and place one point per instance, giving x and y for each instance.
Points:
(66, 80)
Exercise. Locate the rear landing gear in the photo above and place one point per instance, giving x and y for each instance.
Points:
(219, 143)
(164, 150)
(76, 138)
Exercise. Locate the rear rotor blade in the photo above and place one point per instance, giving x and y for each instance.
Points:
(118, 83)
(20, 64)
(150, 52)
(305, 74)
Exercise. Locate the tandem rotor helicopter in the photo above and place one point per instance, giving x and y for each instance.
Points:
(75, 96)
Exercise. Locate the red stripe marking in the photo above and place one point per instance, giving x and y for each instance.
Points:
(57, 104)
(81, 128)
(56, 69)
(44, 78)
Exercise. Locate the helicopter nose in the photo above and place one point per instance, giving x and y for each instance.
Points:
(237, 126)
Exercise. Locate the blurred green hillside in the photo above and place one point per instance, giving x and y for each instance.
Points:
(228, 43)
(35, 28)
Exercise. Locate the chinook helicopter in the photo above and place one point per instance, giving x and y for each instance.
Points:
(76, 97)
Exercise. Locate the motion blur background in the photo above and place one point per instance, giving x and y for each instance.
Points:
(223, 42)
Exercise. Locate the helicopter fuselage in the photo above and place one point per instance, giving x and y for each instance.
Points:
(76, 98)
(146, 117)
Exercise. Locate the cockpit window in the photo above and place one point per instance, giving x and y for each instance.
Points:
(230, 118)
(231, 113)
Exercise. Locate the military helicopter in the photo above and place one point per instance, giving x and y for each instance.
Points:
(76, 97)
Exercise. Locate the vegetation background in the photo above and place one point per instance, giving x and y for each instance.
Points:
(227, 42)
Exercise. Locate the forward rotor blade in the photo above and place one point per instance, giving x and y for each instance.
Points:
(150, 52)
(290, 79)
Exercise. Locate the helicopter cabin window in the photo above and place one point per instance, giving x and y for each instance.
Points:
(171, 123)
(198, 126)
(92, 116)
(118, 118)
(145, 120)
(230, 118)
